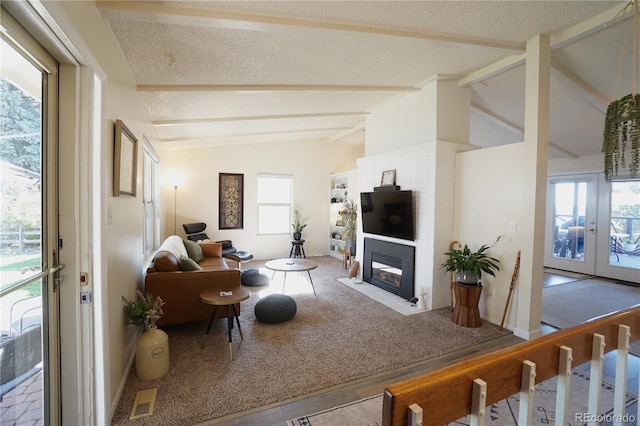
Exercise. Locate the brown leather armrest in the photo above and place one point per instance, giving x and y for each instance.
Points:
(181, 292)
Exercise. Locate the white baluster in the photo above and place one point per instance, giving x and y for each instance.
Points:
(564, 385)
(597, 360)
(478, 402)
(622, 357)
(414, 415)
(527, 389)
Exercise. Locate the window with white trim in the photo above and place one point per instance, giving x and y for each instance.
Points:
(275, 193)
(150, 197)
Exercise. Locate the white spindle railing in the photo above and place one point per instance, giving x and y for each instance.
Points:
(627, 329)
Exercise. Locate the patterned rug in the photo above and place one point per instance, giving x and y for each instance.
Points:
(368, 411)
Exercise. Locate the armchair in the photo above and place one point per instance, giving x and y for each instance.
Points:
(195, 232)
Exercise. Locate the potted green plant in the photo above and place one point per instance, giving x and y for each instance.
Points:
(145, 310)
(349, 214)
(628, 244)
(469, 265)
(297, 225)
(152, 347)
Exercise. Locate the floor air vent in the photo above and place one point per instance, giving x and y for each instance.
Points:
(143, 404)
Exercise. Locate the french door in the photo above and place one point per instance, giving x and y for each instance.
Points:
(593, 226)
(29, 252)
(618, 255)
(572, 223)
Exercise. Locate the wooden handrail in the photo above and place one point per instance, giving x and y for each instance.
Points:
(445, 394)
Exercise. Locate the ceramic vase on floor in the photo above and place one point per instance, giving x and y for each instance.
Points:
(152, 354)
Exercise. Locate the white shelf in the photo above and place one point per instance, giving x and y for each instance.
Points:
(338, 190)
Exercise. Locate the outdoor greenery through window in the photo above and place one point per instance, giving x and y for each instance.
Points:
(20, 156)
(274, 203)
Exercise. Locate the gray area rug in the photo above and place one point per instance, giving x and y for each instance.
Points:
(368, 411)
(571, 304)
(337, 337)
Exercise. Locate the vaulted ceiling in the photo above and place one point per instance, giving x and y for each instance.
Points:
(226, 73)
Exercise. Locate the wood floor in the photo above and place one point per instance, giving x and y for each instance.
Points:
(279, 413)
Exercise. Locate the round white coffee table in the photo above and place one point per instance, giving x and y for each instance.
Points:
(292, 265)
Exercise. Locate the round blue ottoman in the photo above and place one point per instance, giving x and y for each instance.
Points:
(253, 278)
(275, 308)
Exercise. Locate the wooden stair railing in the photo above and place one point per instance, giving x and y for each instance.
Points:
(467, 387)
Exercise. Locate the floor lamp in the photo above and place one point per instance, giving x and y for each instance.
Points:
(175, 209)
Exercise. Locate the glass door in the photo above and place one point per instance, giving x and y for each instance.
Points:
(571, 223)
(619, 251)
(29, 354)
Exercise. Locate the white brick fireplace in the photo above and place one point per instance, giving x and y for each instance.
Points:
(428, 169)
(419, 135)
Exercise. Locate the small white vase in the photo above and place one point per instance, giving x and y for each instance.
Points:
(152, 354)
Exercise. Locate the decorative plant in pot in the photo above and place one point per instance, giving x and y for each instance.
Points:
(152, 347)
(297, 225)
(629, 244)
(469, 265)
(349, 214)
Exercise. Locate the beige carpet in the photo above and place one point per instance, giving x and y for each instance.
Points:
(336, 337)
(570, 304)
(368, 411)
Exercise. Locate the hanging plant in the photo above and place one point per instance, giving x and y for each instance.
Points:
(621, 136)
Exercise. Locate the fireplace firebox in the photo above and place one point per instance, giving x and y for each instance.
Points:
(389, 266)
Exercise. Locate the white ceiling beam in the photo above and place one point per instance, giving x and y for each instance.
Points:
(562, 38)
(493, 69)
(589, 94)
(503, 122)
(593, 25)
(347, 132)
(273, 88)
(154, 12)
(162, 123)
(276, 132)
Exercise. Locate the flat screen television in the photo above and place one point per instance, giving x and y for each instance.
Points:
(388, 213)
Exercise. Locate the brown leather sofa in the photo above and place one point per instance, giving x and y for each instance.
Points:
(168, 277)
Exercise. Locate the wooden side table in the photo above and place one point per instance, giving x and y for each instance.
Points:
(466, 312)
(216, 298)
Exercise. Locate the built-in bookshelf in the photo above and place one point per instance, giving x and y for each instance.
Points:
(338, 193)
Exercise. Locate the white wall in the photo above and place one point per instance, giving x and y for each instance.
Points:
(488, 199)
(124, 255)
(439, 111)
(310, 163)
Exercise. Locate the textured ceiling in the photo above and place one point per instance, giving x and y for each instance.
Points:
(234, 72)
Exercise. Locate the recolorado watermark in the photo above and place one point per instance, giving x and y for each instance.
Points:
(601, 418)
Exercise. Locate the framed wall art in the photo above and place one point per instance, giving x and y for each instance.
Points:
(231, 202)
(125, 161)
(388, 178)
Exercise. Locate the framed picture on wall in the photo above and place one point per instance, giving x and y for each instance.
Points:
(125, 161)
(231, 202)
